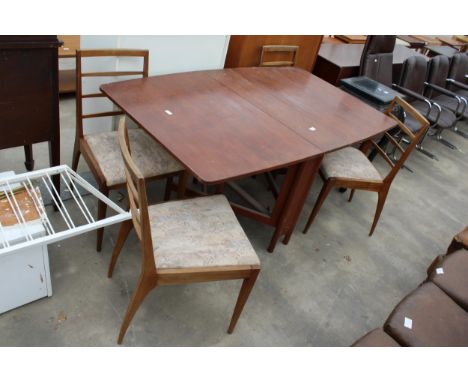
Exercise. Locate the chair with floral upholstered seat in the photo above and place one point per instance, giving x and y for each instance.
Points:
(101, 150)
(350, 168)
(183, 241)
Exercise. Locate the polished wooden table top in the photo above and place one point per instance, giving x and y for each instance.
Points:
(349, 55)
(217, 134)
(231, 123)
(323, 114)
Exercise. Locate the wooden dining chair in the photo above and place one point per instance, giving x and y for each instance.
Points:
(350, 167)
(101, 150)
(183, 241)
(279, 50)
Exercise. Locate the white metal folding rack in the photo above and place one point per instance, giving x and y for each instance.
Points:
(82, 221)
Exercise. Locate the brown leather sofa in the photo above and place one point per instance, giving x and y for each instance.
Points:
(435, 313)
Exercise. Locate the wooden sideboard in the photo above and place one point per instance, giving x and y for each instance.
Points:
(246, 50)
(29, 111)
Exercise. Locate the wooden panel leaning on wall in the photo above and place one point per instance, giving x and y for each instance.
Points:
(246, 50)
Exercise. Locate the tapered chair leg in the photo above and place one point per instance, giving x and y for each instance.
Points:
(182, 185)
(76, 156)
(101, 214)
(125, 229)
(244, 293)
(321, 198)
(167, 192)
(380, 204)
(351, 195)
(144, 286)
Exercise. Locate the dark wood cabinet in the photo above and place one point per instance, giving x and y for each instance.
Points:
(29, 101)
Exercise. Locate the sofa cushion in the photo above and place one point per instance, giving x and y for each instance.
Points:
(428, 317)
(450, 273)
(376, 338)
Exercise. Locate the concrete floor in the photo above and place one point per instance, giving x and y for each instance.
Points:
(326, 288)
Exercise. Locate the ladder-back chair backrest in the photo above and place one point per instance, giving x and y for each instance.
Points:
(137, 199)
(276, 51)
(413, 137)
(103, 53)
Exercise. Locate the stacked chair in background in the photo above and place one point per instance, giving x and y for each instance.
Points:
(437, 76)
(438, 89)
(431, 90)
(436, 313)
(412, 85)
(458, 75)
(377, 58)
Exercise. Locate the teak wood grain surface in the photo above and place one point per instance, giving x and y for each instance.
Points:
(322, 114)
(228, 124)
(216, 133)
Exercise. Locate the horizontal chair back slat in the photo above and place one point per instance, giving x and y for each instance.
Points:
(103, 114)
(93, 95)
(112, 74)
(116, 53)
(413, 136)
(272, 49)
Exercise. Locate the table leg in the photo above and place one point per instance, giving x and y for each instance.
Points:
(295, 190)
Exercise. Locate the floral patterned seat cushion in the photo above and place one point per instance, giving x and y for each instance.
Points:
(199, 232)
(349, 163)
(150, 157)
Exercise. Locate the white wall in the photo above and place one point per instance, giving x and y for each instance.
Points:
(168, 54)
